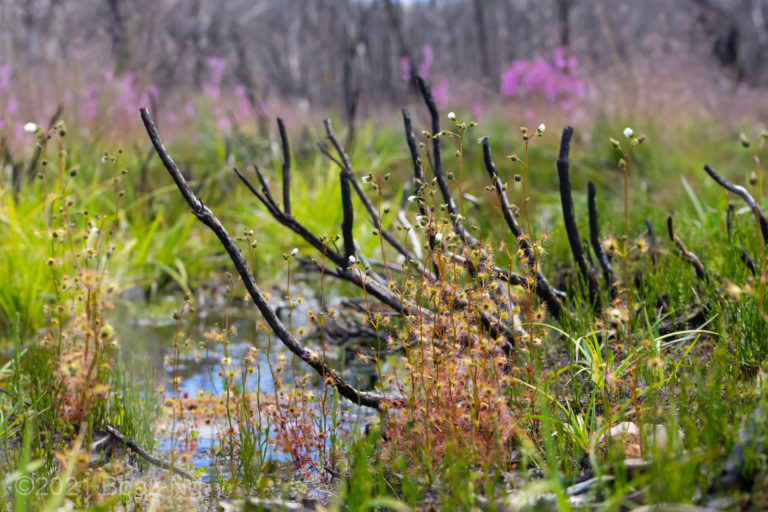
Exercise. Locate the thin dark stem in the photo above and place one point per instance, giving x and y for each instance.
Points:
(569, 218)
(543, 289)
(651, 241)
(294, 225)
(348, 218)
(744, 194)
(346, 168)
(730, 215)
(684, 252)
(594, 238)
(437, 160)
(138, 450)
(286, 167)
(749, 261)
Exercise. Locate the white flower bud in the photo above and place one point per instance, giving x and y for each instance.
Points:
(295, 251)
(451, 116)
(352, 260)
(541, 128)
(31, 128)
(438, 237)
(628, 132)
(411, 199)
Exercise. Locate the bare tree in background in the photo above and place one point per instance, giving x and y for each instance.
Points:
(345, 53)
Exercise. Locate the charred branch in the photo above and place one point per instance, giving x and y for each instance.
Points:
(286, 167)
(207, 217)
(349, 175)
(437, 162)
(684, 252)
(652, 248)
(744, 194)
(569, 219)
(597, 247)
(748, 261)
(543, 289)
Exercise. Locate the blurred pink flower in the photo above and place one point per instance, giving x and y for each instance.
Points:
(426, 64)
(211, 91)
(558, 57)
(189, 109)
(477, 111)
(217, 65)
(441, 92)
(223, 124)
(557, 81)
(5, 76)
(405, 69)
(13, 107)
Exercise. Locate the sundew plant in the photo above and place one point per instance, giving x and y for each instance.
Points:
(428, 311)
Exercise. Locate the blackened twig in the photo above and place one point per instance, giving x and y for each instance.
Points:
(569, 218)
(684, 252)
(744, 194)
(594, 238)
(651, 241)
(730, 216)
(418, 176)
(376, 288)
(543, 289)
(348, 218)
(748, 261)
(207, 217)
(138, 450)
(294, 225)
(403, 219)
(346, 168)
(329, 155)
(437, 161)
(286, 167)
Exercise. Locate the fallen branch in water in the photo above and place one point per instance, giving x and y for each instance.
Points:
(138, 450)
(207, 217)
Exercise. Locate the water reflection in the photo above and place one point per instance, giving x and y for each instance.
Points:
(147, 338)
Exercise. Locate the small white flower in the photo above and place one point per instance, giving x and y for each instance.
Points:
(94, 230)
(352, 260)
(628, 132)
(31, 128)
(541, 128)
(451, 116)
(411, 199)
(438, 237)
(104, 159)
(295, 251)
(421, 218)
(367, 178)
